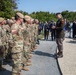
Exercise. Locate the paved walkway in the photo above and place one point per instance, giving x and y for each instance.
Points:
(43, 61)
(68, 62)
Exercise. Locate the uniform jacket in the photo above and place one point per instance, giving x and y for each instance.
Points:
(59, 28)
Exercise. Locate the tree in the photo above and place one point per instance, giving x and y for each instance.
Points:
(71, 16)
(7, 8)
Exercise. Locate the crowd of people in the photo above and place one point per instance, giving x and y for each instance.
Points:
(46, 27)
(18, 38)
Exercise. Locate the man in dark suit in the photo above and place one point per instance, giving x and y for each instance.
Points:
(74, 29)
(59, 34)
(52, 30)
(46, 31)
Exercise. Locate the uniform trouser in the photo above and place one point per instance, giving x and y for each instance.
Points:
(24, 59)
(1, 62)
(32, 42)
(2, 54)
(59, 42)
(74, 33)
(17, 62)
(16, 51)
(53, 35)
(26, 52)
(35, 40)
(8, 52)
(46, 34)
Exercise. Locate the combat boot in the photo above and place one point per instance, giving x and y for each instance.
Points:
(30, 55)
(28, 64)
(29, 61)
(35, 47)
(60, 55)
(16, 74)
(2, 68)
(19, 74)
(25, 68)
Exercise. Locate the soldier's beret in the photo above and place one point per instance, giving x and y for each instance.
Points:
(1, 19)
(20, 14)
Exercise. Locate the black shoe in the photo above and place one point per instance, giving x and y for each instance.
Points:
(60, 56)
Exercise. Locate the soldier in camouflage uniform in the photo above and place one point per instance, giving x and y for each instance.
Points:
(2, 42)
(17, 49)
(36, 32)
(9, 39)
(27, 44)
(33, 34)
(25, 48)
(36, 22)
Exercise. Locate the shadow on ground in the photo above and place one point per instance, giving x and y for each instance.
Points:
(40, 53)
(73, 41)
(45, 40)
(6, 72)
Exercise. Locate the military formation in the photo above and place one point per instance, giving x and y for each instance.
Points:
(18, 37)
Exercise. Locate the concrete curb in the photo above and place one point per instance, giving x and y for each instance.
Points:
(58, 65)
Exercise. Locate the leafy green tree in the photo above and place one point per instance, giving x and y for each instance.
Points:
(7, 8)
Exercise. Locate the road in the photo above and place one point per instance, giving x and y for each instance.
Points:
(43, 61)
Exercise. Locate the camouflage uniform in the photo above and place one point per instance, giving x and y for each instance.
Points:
(17, 49)
(36, 23)
(33, 36)
(27, 39)
(7, 28)
(2, 44)
(36, 34)
(24, 55)
(30, 29)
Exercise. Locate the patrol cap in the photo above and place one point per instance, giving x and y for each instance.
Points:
(36, 19)
(4, 20)
(32, 19)
(27, 18)
(13, 18)
(1, 19)
(11, 21)
(20, 14)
